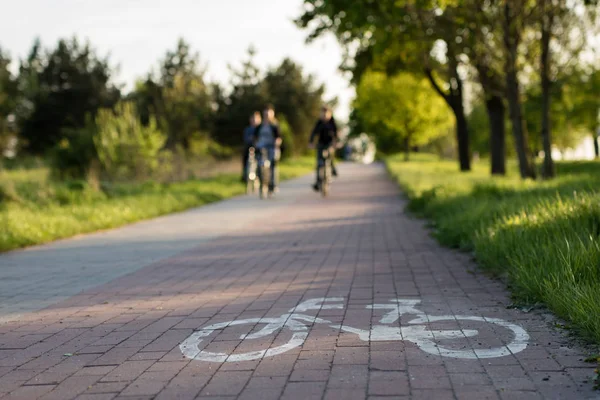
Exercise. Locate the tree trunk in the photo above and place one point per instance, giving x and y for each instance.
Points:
(516, 117)
(548, 166)
(491, 83)
(596, 146)
(454, 99)
(496, 110)
(511, 42)
(462, 137)
(406, 149)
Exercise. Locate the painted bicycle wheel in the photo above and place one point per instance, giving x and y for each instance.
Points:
(191, 347)
(429, 340)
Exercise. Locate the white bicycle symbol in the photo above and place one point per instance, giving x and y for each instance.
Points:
(415, 331)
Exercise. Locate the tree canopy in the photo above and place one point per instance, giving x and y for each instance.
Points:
(405, 106)
(506, 48)
(58, 89)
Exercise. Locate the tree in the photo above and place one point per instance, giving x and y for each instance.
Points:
(400, 35)
(552, 28)
(356, 124)
(233, 108)
(584, 86)
(8, 94)
(405, 106)
(125, 147)
(513, 23)
(480, 128)
(179, 97)
(59, 89)
(574, 107)
(295, 96)
(454, 98)
(480, 35)
(564, 127)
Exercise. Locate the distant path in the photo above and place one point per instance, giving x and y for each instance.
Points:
(338, 298)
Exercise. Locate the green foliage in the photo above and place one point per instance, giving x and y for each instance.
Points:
(247, 96)
(288, 147)
(8, 192)
(543, 236)
(179, 99)
(73, 156)
(36, 210)
(443, 37)
(295, 96)
(33, 188)
(567, 131)
(580, 93)
(401, 109)
(58, 90)
(125, 147)
(479, 129)
(8, 95)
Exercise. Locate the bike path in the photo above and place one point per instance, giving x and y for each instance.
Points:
(39, 276)
(338, 298)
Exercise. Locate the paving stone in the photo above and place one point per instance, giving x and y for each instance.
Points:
(113, 331)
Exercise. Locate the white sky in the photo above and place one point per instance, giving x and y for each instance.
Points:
(137, 33)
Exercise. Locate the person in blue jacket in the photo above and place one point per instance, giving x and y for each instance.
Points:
(267, 136)
(248, 139)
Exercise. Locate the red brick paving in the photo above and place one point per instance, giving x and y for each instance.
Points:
(121, 340)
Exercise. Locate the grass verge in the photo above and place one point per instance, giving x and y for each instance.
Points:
(35, 210)
(544, 237)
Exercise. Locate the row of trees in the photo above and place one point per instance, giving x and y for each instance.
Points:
(54, 105)
(506, 48)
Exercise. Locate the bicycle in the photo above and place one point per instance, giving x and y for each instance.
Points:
(324, 169)
(251, 171)
(414, 331)
(264, 174)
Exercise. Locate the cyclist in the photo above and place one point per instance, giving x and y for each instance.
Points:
(326, 132)
(267, 136)
(249, 141)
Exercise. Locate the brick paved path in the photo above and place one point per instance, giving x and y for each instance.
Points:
(121, 339)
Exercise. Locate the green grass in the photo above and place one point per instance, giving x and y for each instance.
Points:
(544, 236)
(35, 210)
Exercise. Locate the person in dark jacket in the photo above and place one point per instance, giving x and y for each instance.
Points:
(325, 131)
(267, 136)
(248, 139)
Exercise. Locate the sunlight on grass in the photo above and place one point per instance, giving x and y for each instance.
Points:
(543, 236)
(35, 210)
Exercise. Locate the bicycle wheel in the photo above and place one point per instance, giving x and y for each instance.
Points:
(251, 177)
(263, 181)
(191, 346)
(427, 339)
(324, 180)
(266, 180)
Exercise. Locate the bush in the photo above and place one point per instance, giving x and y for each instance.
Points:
(126, 148)
(288, 148)
(8, 192)
(219, 151)
(38, 210)
(72, 157)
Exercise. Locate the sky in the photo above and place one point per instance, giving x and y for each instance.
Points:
(137, 33)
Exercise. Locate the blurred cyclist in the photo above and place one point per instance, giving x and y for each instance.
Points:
(267, 136)
(326, 133)
(249, 141)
